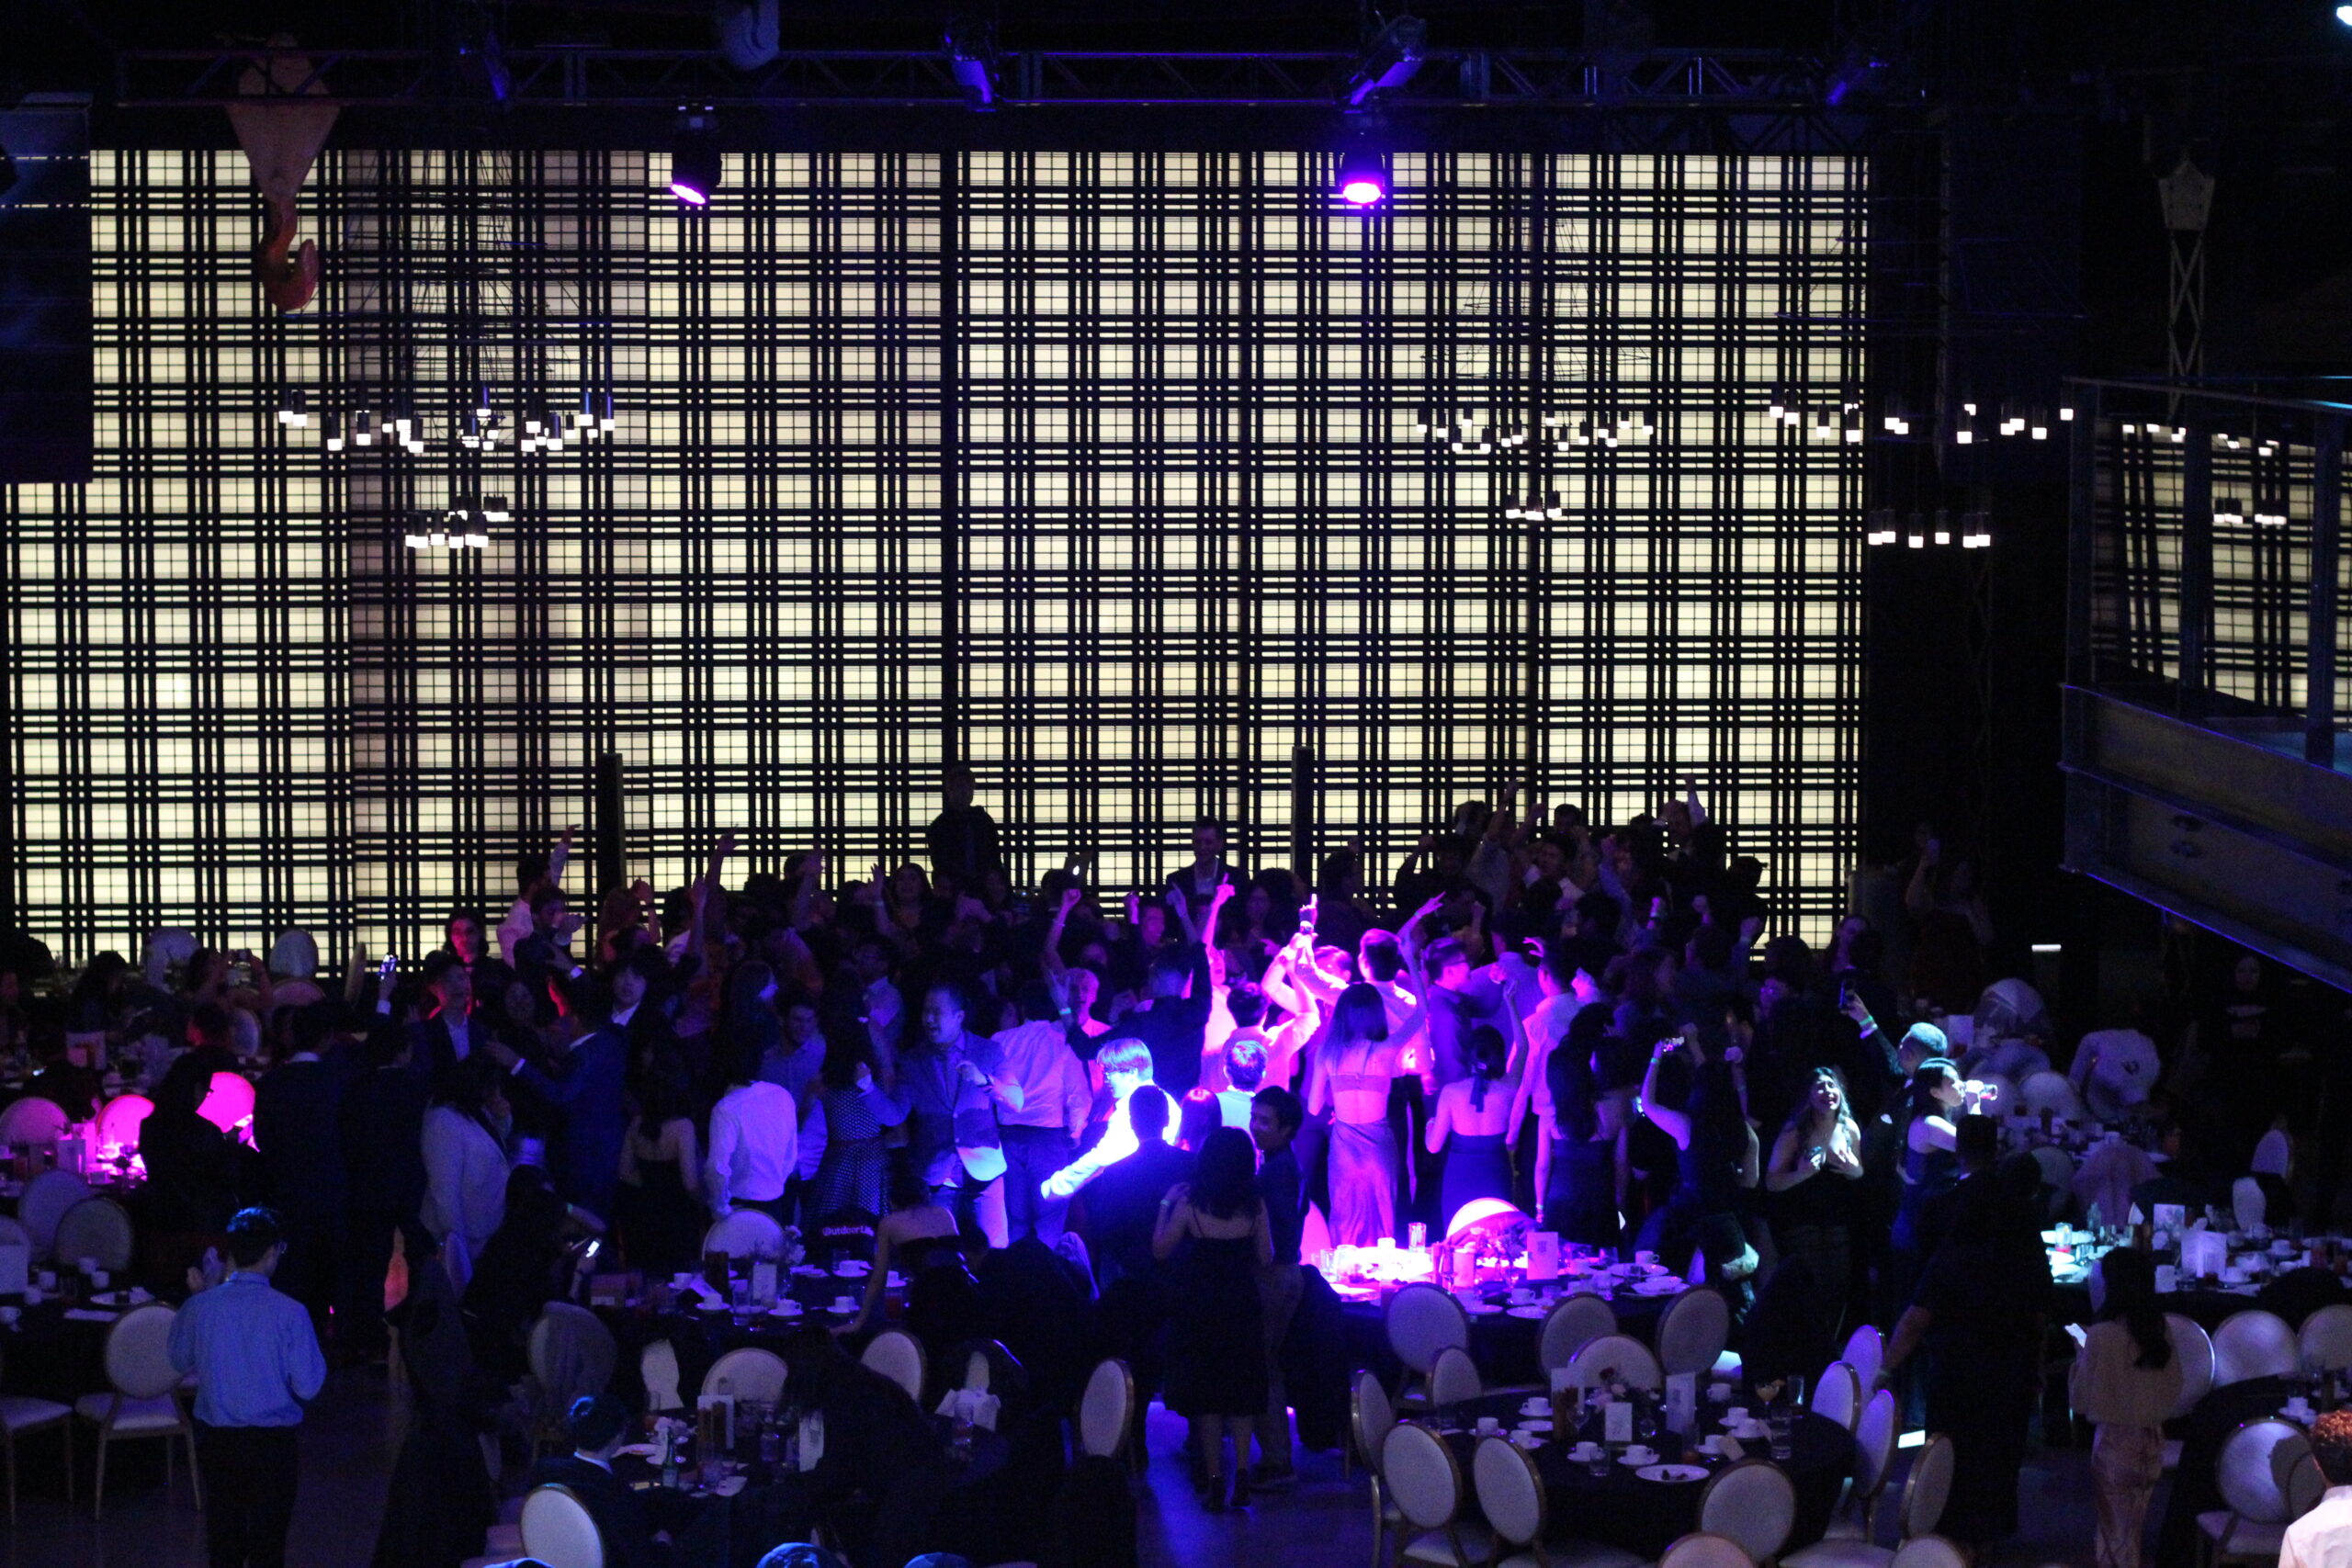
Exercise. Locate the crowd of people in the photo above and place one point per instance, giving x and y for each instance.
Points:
(1173, 1095)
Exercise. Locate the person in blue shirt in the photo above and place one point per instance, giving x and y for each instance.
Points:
(257, 1362)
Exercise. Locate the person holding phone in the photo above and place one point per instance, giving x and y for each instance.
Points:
(1716, 1157)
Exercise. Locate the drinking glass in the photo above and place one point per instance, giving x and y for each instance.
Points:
(1599, 1461)
(1781, 1423)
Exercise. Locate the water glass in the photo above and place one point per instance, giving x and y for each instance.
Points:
(1782, 1426)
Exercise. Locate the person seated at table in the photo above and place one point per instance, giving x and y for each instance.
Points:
(599, 1424)
(885, 1468)
(917, 1236)
(1470, 1124)
(521, 1270)
(63, 1081)
(2322, 1537)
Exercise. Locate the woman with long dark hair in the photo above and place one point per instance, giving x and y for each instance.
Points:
(1473, 1116)
(2126, 1379)
(850, 1176)
(1715, 1158)
(1930, 1169)
(1586, 1128)
(1349, 1073)
(662, 1215)
(1815, 1161)
(1217, 1363)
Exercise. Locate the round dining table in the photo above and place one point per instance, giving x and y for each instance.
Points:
(1620, 1507)
(1506, 1332)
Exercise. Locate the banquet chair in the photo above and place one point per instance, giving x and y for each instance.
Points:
(559, 1530)
(749, 1373)
(1692, 1331)
(1615, 1357)
(2050, 1091)
(1837, 1393)
(1919, 1509)
(228, 1102)
(2253, 1344)
(656, 1368)
(746, 1232)
(1754, 1503)
(1421, 1321)
(2306, 1483)
(1511, 1494)
(2057, 1167)
(33, 1120)
(14, 1235)
(46, 1199)
(990, 1367)
(1106, 1411)
(1866, 1353)
(1568, 1327)
(1427, 1483)
(22, 1417)
(897, 1356)
(1877, 1436)
(2249, 1204)
(2325, 1338)
(1928, 1552)
(1699, 1550)
(2253, 1484)
(571, 1354)
(144, 1402)
(121, 1117)
(1369, 1416)
(95, 1228)
(1454, 1378)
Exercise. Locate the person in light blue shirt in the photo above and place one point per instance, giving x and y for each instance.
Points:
(257, 1362)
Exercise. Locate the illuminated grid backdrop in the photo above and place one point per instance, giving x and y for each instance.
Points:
(1099, 469)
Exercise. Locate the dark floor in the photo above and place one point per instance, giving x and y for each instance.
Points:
(349, 1440)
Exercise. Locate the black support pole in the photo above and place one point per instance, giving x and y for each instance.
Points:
(2196, 565)
(2319, 652)
(611, 825)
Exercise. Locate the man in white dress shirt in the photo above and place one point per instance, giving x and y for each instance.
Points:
(2322, 1537)
(754, 1144)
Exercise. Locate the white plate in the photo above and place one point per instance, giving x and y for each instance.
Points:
(1480, 1309)
(1658, 1288)
(1629, 1458)
(1528, 1312)
(1537, 1423)
(1673, 1472)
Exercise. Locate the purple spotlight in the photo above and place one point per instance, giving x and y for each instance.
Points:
(695, 164)
(1363, 179)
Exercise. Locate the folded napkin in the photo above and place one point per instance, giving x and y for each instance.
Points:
(84, 1314)
(972, 1406)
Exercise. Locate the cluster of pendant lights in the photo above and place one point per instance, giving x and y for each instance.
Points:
(464, 524)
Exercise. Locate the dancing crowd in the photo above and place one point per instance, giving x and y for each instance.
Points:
(1173, 1098)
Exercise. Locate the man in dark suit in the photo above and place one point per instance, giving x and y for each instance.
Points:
(962, 839)
(1123, 1202)
(598, 1423)
(382, 1125)
(585, 1092)
(449, 1032)
(297, 1133)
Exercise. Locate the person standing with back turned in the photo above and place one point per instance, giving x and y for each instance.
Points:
(257, 1362)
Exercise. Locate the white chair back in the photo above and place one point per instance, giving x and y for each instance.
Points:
(32, 1120)
(1866, 1353)
(2249, 1484)
(1454, 1378)
(1928, 1487)
(1423, 1320)
(2306, 1484)
(1928, 1552)
(2286, 1456)
(2057, 1167)
(1692, 1331)
(1569, 1325)
(138, 1353)
(559, 1530)
(898, 1357)
(2249, 1206)
(746, 1232)
(1754, 1503)
(1837, 1393)
(749, 1373)
(1615, 1357)
(1373, 1415)
(121, 1117)
(2326, 1336)
(2195, 1348)
(1106, 1410)
(1876, 1435)
(95, 1227)
(229, 1102)
(47, 1197)
(1510, 1493)
(657, 1368)
(1701, 1549)
(570, 1353)
(1421, 1476)
(14, 1235)
(2050, 1091)
(2253, 1344)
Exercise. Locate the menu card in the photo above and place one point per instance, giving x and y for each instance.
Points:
(1617, 1422)
(1543, 1255)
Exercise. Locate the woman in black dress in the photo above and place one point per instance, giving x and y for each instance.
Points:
(1817, 1160)
(1214, 1228)
(662, 1218)
(1580, 1198)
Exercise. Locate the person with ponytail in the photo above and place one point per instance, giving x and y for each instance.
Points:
(2126, 1380)
(1475, 1115)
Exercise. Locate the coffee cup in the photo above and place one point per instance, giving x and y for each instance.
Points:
(46, 1279)
(35, 1295)
(1641, 1454)
(1523, 1297)
(1535, 1406)
(845, 1305)
(1710, 1444)
(1736, 1417)
(1488, 1426)
(1646, 1259)
(1584, 1450)
(8, 1315)
(1749, 1431)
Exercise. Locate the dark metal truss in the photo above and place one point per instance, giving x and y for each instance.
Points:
(1756, 81)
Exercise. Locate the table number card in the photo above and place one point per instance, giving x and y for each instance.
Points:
(1681, 1401)
(763, 1283)
(1732, 1452)
(1543, 1255)
(1617, 1422)
(812, 1440)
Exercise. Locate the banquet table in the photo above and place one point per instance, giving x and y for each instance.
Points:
(702, 1333)
(1620, 1508)
(1505, 1333)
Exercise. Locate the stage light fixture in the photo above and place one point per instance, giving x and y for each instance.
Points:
(2344, 14)
(294, 412)
(363, 429)
(970, 45)
(333, 423)
(1387, 63)
(695, 163)
(1363, 177)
